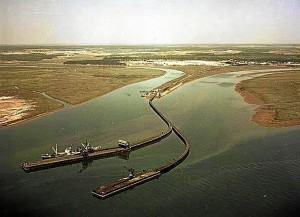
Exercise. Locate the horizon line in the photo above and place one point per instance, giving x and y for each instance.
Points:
(140, 44)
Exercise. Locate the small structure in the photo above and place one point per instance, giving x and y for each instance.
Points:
(123, 144)
(131, 174)
(151, 93)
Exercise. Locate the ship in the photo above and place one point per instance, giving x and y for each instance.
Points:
(84, 150)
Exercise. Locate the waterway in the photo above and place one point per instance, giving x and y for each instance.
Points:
(235, 167)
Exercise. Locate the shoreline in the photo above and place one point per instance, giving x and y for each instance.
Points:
(29, 118)
(263, 115)
(192, 73)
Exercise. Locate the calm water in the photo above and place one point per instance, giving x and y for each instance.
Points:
(235, 167)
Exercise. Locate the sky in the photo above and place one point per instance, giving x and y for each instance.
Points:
(149, 21)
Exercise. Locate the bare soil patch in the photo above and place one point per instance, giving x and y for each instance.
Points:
(14, 110)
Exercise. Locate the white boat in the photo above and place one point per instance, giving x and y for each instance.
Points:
(69, 151)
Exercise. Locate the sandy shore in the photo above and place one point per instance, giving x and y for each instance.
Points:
(13, 109)
(264, 114)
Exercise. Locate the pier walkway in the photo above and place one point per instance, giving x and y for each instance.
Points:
(102, 153)
(127, 182)
(124, 184)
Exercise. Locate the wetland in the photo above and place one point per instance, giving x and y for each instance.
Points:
(235, 166)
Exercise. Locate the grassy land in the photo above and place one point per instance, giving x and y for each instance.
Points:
(281, 93)
(72, 84)
(26, 57)
(256, 53)
(103, 61)
(112, 55)
(75, 74)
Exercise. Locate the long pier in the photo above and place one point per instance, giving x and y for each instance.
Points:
(127, 182)
(124, 184)
(102, 153)
(167, 167)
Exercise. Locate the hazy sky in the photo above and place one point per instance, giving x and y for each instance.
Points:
(149, 21)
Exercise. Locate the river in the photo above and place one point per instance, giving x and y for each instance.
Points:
(235, 167)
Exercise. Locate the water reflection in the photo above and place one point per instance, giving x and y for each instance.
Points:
(85, 164)
(233, 162)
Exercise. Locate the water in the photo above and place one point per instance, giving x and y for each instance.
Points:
(235, 167)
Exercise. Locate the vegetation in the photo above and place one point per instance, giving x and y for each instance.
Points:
(105, 61)
(26, 57)
(117, 53)
(255, 57)
(75, 74)
(257, 53)
(279, 95)
(72, 84)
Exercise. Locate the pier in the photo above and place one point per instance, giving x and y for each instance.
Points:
(102, 153)
(124, 184)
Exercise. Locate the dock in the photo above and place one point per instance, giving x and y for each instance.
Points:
(70, 159)
(132, 180)
(42, 164)
(126, 183)
(111, 189)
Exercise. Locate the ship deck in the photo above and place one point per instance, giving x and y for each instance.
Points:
(69, 159)
(125, 183)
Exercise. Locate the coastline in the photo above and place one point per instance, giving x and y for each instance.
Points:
(192, 73)
(67, 105)
(264, 115)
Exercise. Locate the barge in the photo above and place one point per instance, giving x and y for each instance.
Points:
(70, 159)
(124, 184)
(89, 153)
(132, 180)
